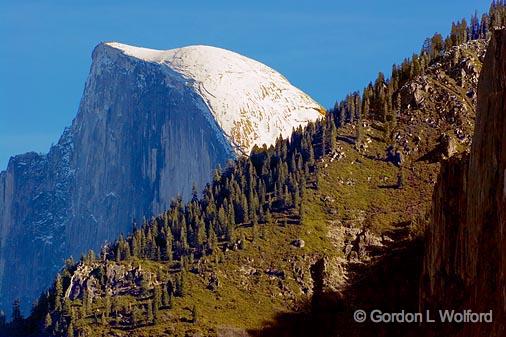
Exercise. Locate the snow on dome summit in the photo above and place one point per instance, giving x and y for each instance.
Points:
(252, 103)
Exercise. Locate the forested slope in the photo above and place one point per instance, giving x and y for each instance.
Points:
(292, 238)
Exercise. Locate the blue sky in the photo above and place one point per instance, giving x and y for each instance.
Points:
(326, 48)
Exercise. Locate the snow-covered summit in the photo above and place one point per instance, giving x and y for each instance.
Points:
(252, 103)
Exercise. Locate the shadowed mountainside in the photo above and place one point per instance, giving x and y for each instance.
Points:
(465, 261)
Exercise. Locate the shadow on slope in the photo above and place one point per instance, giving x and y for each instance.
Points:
(389, 285)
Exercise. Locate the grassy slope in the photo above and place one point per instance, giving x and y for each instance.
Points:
(350, 193)
(354, 191)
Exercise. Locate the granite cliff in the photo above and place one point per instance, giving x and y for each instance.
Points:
(465, 258)
(151, 124)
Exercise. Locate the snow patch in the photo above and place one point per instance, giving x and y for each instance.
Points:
(252, 103)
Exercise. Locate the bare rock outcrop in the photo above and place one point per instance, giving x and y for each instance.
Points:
(465, 259)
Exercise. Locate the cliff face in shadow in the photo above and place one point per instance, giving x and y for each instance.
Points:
(465, 259)
(135, 144)
(389, 285)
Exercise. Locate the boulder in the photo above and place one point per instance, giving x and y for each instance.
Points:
(299, 243)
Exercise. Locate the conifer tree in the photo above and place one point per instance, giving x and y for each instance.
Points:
(136, 316)
(157, 297)
(201, 234)
(296, 198)
(183, 238)
(155, 312)
(58, 289)
(144, 287)
(242, 243)
(70, 330)
(302, 213)
(67, 309)
(87, 302)
(115, 306)
(90, 256)
(149, 313)
(254, 229)
(194, 315)
(212, 240)
(169, 303)
(165, 296)
(230, 232)
(244, 209)
(180, 285)
(332, 138)
(48, 322)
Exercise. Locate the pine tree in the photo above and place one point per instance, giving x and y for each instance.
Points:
(144, 287)
(183, 237)
(117, 254)
(332, 138)
(311, 160)
(165, 296)
(230, 233)
(115, 306)
(108, 305)
(436, 45)
(244, 209)
(87, 302)
(157, 297)
(149, 313)
(180, 285)
(222, 218)
(263, 233)
(169, 303)
(212, 240)
(48, 322)
(90, 257)
(201, 234)
(217, 174)
(184, 263)
(67, 307)
(155, 312)
(136, 316)
(242, 243)
(168, 246)
(70, 330)
(195, 316)
(268, 216)
(58, 293)
(400, 179)
(134, 245)
(254, 229)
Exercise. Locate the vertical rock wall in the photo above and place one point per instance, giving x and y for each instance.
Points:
(142, 136)
(465, 261)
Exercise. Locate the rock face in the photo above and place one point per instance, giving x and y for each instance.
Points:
(465, 260)
(121, 280)
(439, 101)
(150, 125)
